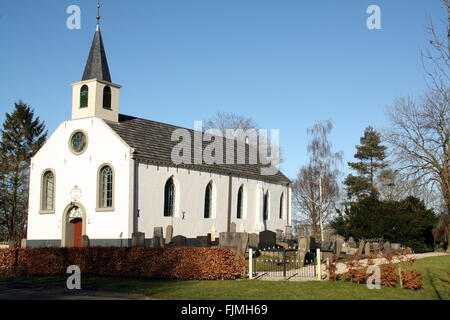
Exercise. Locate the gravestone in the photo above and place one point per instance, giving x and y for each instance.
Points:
(326, 245)
(179, 241)
(299, 232)
(301, 255)
(279, 234)
(352, 251)
(138, 239)
(253, 240)
(339, 244)
(351, 243)
(396, 246)
(312, 244)
(303, 244)
(158, 239)
(376, 246)
(23, 243)
(387, 248)
(327, 255)
(367, 248)
(85, 241)
(288, 233)
(361, 246)
(236, 241)
(169, 234)
(204, 241)
(267, 239)
(233, 227)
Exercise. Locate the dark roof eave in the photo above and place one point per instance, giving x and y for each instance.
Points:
(209, 169)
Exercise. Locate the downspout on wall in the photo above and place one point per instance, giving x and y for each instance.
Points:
(230, 191)
(135, 192)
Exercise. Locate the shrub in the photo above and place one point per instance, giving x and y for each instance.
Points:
(331, 268)
(388, 275)
(152, 263)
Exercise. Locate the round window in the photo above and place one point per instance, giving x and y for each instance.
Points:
(78, 142)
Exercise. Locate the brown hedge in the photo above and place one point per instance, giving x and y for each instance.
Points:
(179, 263)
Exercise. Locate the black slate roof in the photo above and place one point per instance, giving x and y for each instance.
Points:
(152, 142)
(97, 65)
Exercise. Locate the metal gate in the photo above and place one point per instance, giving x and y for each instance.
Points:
(282, 264)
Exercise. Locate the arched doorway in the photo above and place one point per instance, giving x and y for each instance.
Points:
(74, 225)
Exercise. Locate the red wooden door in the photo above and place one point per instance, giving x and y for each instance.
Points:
(77, 231)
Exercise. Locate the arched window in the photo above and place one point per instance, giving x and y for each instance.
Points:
(266, 206)
(169, 198)
(84, 94)
(106, 180)
(281, 206)
(240, 203)
(208, 201)
(48, 191)
(107, 98)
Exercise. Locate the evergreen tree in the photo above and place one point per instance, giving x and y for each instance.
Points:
(407, 222)
(371, 155)
(21, 137)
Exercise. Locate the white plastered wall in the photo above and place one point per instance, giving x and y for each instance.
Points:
(104, 146)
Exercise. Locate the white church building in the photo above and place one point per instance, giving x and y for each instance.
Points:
(106, 175)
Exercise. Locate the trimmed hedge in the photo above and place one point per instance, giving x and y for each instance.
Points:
(181, 263)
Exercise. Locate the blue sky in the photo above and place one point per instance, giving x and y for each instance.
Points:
(285, 63)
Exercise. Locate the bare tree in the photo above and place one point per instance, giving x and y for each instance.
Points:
(223, 121)
(420, 135)
(420, 131)
(316, 190)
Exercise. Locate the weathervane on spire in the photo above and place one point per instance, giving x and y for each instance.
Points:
(98, 11)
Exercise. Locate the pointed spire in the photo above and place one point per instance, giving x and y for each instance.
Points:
(97, 65)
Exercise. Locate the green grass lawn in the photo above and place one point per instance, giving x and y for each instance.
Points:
(436, 286)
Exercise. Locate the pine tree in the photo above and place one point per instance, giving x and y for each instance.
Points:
(372, 159)
(21, 137)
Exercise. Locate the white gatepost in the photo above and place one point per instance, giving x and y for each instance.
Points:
(319, 267)
(250, 263)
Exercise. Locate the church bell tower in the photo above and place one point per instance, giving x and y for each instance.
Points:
(95, 95)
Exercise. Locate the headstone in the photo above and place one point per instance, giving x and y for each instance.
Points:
(85, 241)
(339, 243)
(179, 241)
(351, 251)
(23, 243)
(236, 241)
(233, 227)
(158, 240)
(253, 240)
(267, 239)
(204, 241)
(312, 244)
(299, 232)
(303, 244)
(169, 234)
(279, 234)
(288, 233)
(301, 255)
(333, 246)
(396, 246)
(351, 243)
(326, 245)
(361, 246)
(367, 248)
(327, 255)
(387, 248)
(376, 246)
(138, 239)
